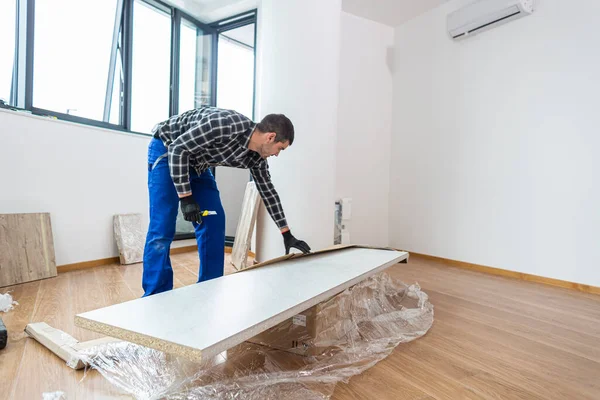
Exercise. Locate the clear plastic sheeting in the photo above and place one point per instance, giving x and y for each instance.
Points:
(130, 237)
(347, 334)
(54, 396)
(7, 303)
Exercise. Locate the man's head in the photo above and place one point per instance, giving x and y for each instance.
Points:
(273, 134)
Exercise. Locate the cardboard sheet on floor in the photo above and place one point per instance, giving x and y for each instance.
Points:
(202, 320)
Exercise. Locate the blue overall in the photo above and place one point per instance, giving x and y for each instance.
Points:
(164, 206)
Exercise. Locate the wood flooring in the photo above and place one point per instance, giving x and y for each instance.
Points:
(492, 337)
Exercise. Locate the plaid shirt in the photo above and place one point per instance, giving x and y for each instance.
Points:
(210, 136)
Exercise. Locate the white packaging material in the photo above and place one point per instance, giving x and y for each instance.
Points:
(7, 303)
(58, 395)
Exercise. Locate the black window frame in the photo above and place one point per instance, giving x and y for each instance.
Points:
(224, 25)
(22, 86)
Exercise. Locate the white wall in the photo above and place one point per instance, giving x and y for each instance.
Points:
(364, 126)
(81, 175)
(298, 75)
(495, 142)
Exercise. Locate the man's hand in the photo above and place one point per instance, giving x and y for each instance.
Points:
(190, 209)
(290, 241)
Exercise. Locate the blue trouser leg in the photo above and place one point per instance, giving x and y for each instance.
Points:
(164, 203)
(210, 234)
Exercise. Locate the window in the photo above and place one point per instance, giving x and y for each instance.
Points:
(235, 80)
(151, 66)
(194, 67)
(72, 49)
(235, 90)
(8, 18)
(120, 64)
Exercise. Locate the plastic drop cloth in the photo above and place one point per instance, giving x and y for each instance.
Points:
(130, 237)
(354, 330)
(54, 396)
(7, 303)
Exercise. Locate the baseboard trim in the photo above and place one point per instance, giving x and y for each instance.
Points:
(513, 274)
(86, 264)
(185, 249)
(115, 260)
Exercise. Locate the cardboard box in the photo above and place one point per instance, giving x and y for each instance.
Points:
(327, 327)
(324, 327)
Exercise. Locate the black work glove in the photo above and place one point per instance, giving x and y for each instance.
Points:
(290, 241)
(190, 209)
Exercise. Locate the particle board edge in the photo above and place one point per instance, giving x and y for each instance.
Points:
(140, 339)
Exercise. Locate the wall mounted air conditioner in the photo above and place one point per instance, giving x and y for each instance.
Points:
(486, 14)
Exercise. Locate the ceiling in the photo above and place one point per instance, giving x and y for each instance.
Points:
(389, 12)
(208, 11)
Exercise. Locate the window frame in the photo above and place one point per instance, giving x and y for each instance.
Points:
(22, 80)
(230, 23)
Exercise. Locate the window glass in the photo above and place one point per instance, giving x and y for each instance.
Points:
(8, 15)
(194, 67)
(235, 71)
(151, 66)
(72, 46)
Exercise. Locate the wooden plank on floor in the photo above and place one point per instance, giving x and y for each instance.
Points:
(26, 248)
(278, 291)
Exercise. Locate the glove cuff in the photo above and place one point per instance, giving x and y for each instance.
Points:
(287, 234)
(187, 200)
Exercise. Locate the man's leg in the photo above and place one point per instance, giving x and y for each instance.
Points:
(164, 202)
(210, 234)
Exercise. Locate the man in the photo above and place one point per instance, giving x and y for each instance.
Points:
(179, 157)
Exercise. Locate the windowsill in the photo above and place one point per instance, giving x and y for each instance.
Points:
(29, 114)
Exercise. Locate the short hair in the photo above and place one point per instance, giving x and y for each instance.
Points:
(280, 124)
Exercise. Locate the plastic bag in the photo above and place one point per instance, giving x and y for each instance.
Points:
(357, 328)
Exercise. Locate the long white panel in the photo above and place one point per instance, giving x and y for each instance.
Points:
(205, 319)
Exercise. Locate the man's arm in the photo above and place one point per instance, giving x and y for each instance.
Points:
(262, 179)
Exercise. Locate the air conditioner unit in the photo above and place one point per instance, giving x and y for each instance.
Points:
(486, 14)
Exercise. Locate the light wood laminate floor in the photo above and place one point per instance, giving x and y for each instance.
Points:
(492, 338)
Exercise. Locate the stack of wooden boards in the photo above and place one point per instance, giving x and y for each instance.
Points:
(202, 320)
